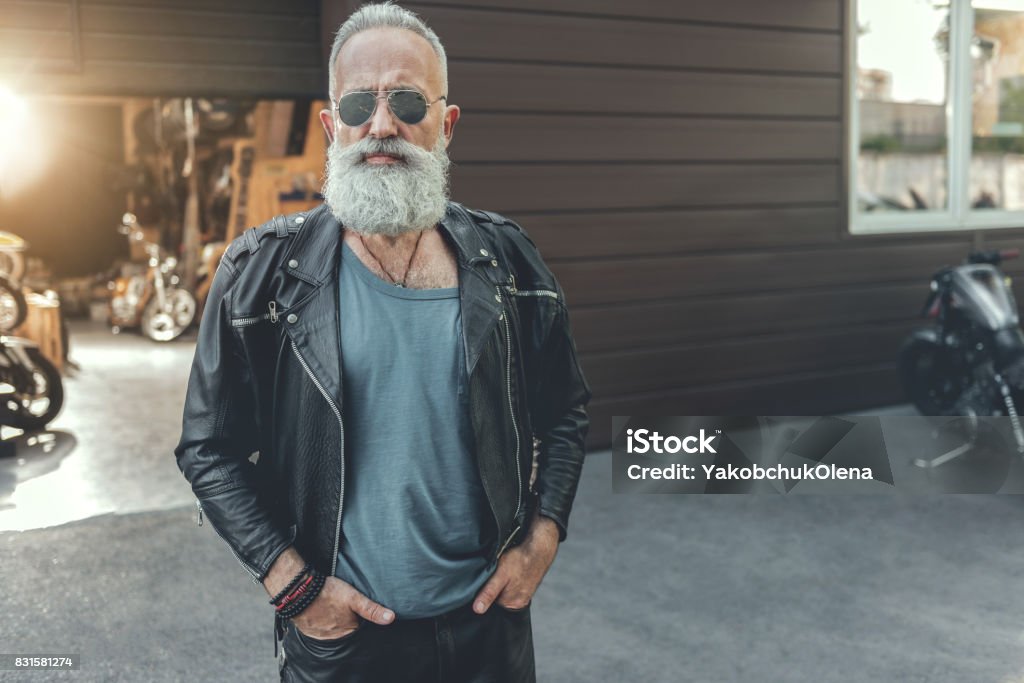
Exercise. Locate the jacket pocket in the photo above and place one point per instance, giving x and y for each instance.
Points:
(272, 315)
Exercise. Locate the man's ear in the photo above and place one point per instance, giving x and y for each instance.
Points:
(451, 117)
(327, 120)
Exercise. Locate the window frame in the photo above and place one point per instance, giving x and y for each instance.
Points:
(958, 214)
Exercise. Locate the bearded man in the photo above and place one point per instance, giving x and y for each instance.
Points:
(385, 418)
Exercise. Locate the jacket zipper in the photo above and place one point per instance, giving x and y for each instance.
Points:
(515, 424)
(252, 572)
(341, 425)
(535, 292)
(253, 319)
(527, 292)
(509, 539)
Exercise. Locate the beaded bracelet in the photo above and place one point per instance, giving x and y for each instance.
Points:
(295, 594)
(306, 599)
(303, 601)
(291, 586)
(299, 606)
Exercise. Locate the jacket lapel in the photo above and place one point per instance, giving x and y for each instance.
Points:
(314, 258)
(312, 321)
(479, 295)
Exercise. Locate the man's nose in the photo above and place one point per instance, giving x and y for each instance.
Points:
(382, 122)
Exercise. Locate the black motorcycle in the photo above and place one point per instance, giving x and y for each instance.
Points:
(31, 389)
(971, 360)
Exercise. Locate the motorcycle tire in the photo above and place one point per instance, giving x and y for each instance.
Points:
(934, 376)
(13, 308)
(17, 411)
(163, 326)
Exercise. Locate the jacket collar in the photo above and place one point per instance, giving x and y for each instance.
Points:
(314, 248)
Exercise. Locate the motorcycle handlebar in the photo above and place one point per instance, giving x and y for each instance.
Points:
(993, 256)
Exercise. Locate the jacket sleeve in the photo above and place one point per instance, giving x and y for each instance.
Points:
(219, 433)
(563, 422)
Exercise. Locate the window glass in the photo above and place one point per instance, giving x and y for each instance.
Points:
(902, 91)
(996, 178)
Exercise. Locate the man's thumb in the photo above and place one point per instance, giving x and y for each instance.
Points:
(370, 610)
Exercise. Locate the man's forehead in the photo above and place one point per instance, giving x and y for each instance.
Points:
(379, 85)
(387, 58)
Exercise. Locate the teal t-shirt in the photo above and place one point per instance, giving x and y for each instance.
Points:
(415, 518)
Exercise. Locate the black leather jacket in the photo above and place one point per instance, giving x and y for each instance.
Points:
(262, 440)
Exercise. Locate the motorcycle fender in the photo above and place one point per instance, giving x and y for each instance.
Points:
(16, 346)
(926, 335)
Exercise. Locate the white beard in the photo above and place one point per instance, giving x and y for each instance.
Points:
(387, 199)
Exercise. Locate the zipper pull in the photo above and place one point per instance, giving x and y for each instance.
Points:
(273, 311)
(512, 279)
(199, 517)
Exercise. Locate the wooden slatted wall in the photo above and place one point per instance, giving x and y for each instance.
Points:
(268, 48)
(679, 162)
(680, 165)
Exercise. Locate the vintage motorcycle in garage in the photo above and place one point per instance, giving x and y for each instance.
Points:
(971, 360)
(154, 299)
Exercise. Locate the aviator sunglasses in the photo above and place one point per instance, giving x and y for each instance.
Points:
(408, 106)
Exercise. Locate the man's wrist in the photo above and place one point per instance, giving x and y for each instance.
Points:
(285, 567)
(545, 529)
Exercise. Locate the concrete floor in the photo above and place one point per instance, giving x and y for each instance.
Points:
(738, 589)
(113, 442)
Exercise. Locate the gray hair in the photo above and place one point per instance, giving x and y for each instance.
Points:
(383, 15)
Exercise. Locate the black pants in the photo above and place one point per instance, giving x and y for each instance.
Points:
(458, 647)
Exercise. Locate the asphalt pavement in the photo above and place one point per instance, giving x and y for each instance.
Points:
(659, 588)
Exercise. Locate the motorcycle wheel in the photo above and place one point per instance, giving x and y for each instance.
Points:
(165, 325)
(13, 308)
(38, 397)
(934, 378)
(12, 265)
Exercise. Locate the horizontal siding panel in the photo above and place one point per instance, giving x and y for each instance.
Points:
(28, 46)
(741, 359)
(653, 233)
(473, 34)
(807, 394)
(291, 7)
(626, 280)
(805, 14)
(155, 21)
(166, 80)
(532, 137)
(528, 187)
(620, 327)
(609, 90)
(182, 50)
(39, 16)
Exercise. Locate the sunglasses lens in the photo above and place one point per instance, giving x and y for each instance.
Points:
(408, 106)
(356, 108)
